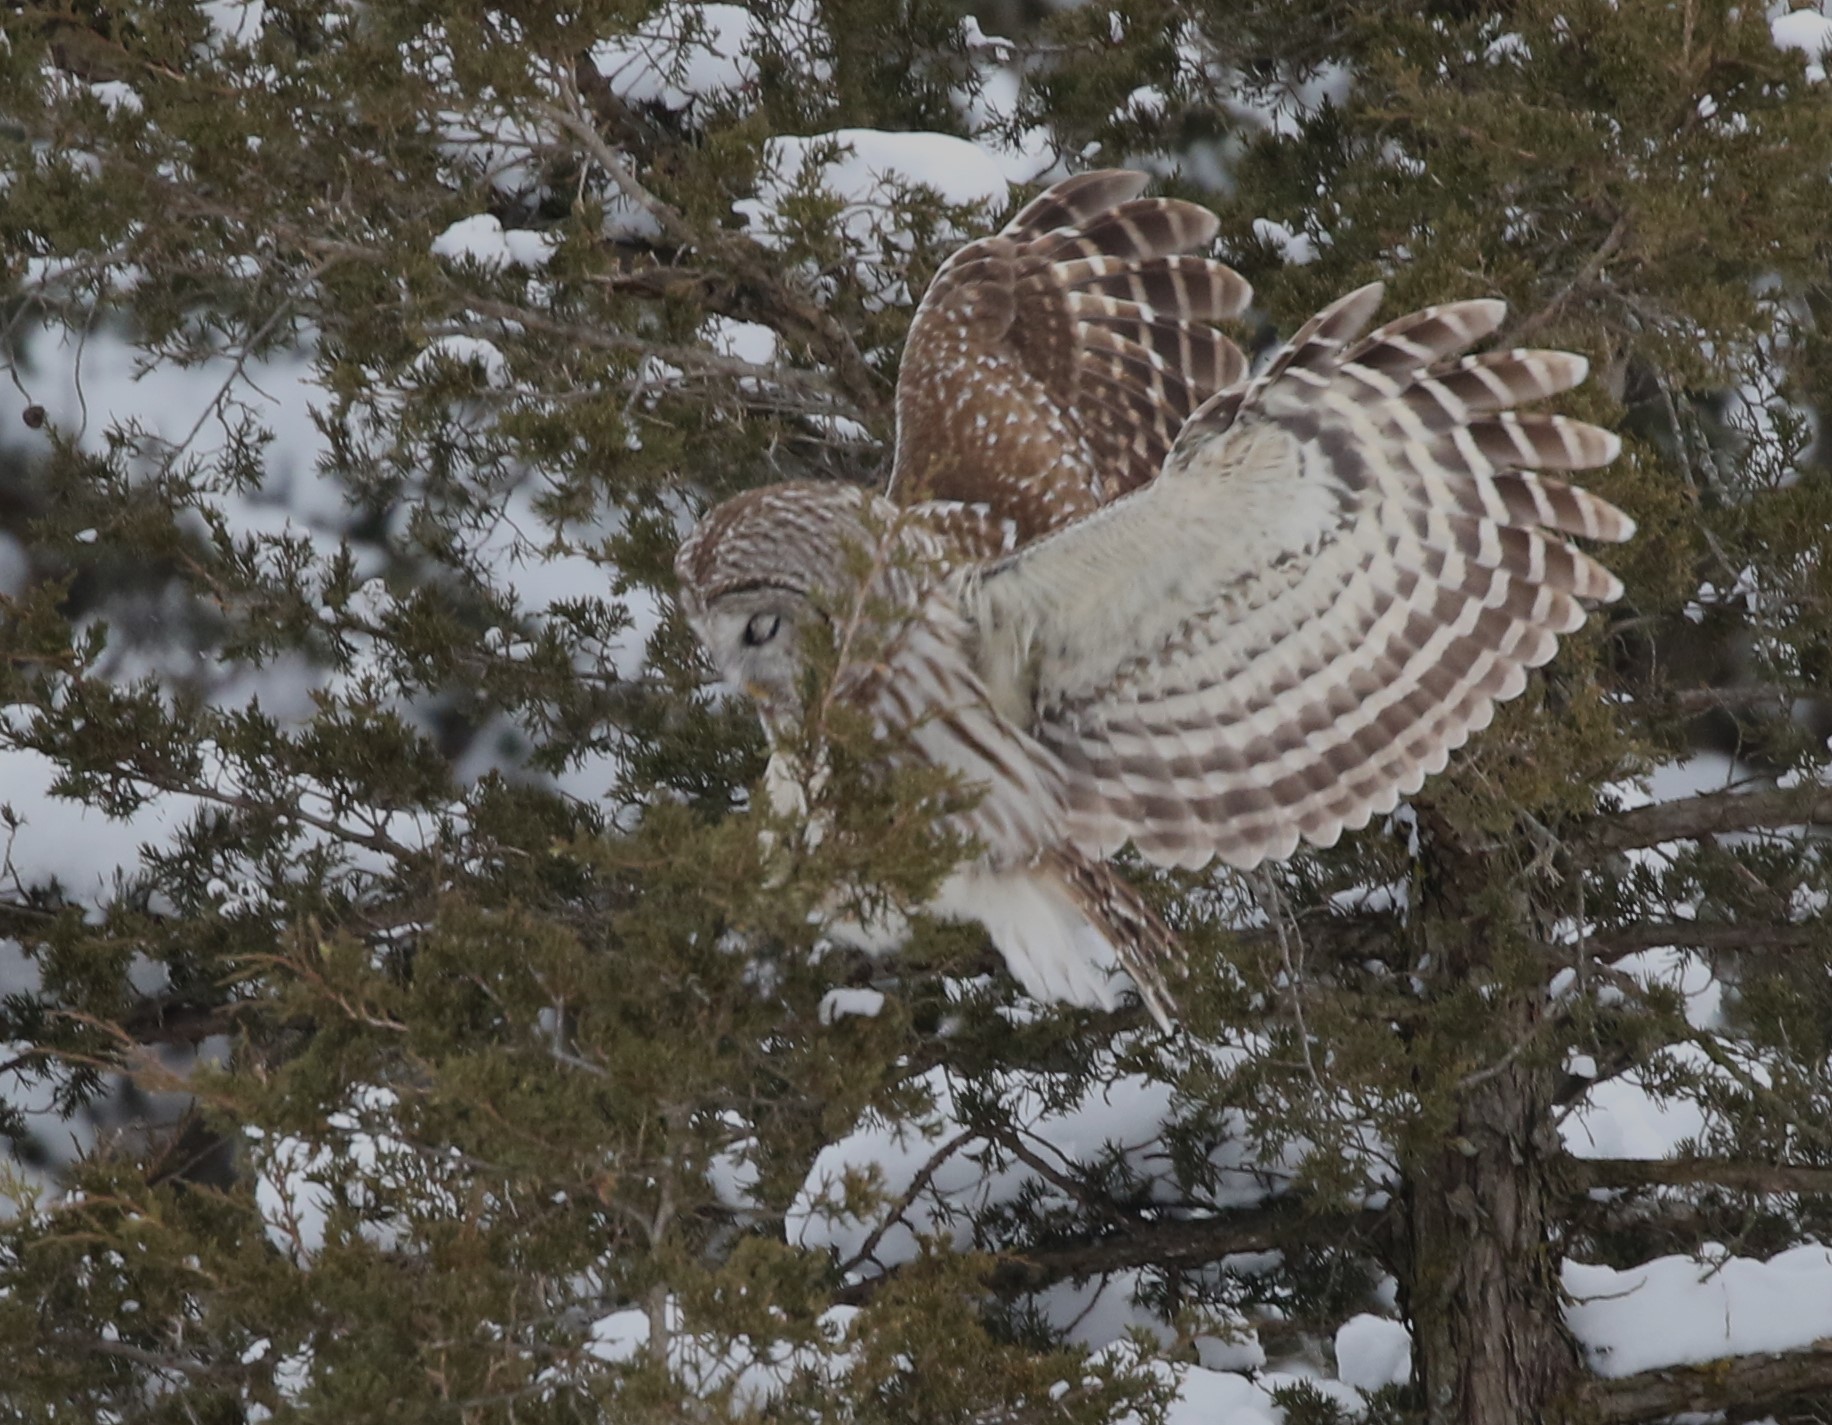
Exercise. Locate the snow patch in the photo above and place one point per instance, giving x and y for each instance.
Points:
(117, 97)
(88, 853)
(237, 22)
(482, 239)
(1677, 1311)
(950, 1175)
(298, 1182)
(1807, 31)
(869, 172)
(743, 341)
(1205, 1396)
(681, 53)
(1296, 248)
(465, 351)
(1372, 1352)
(1619, 1118)
(755, 1373)
(860, 1004)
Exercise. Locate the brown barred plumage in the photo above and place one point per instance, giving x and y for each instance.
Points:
(1332, 584)
(767, 566)
(1144, 600)
(1050, 366)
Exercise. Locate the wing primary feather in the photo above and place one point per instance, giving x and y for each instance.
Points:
(1142, 228)
(1347, 562)
(1197, 287)
(1075, 201)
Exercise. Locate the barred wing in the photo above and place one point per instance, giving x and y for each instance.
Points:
(1050, 366)
(1344, 566)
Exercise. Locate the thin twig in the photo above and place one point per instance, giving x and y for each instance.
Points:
(906, 1200)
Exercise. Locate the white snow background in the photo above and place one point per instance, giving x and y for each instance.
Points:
(1665, 1312)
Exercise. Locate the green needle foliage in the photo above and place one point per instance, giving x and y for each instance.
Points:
(453, 1044)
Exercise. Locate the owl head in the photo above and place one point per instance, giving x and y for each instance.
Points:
(770, 567)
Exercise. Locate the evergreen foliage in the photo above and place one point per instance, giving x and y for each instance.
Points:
(447, 1049)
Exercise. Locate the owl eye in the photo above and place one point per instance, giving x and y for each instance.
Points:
(761, 629)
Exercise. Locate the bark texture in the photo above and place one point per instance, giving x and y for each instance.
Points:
(1490, 1338)
(1484, 1201)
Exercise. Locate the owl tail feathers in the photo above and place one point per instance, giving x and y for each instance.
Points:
(1072, 931)
(1108, 906)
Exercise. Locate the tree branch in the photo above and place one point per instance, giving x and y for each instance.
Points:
(793, 314)
(1588, 1173)
(691, 360)
(1185, 1242)
(1697, 935)
(1712, 814)
(918, 1185)
(1581, 281)
(1744, 695)
(1748, 1384)
(1168, 1243)
(176, 1019)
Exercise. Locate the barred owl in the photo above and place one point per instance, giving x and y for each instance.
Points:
(1138, 598)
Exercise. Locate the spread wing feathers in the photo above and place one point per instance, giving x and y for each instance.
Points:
(1346, 564)
(1050, 366)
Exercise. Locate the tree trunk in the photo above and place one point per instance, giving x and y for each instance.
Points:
(1490, 1344)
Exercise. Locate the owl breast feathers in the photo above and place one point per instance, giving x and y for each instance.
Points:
(1137, 597)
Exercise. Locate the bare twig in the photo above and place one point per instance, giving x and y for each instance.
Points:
(695, 360)
(1190, 1242)
(246, 351)
(573, 117)
(907, 1198)
(758, 291)
(1587, 274)
(1749, 695)
(1272, 901)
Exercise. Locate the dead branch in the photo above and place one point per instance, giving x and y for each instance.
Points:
(1774, 696)
(1191, 1242)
